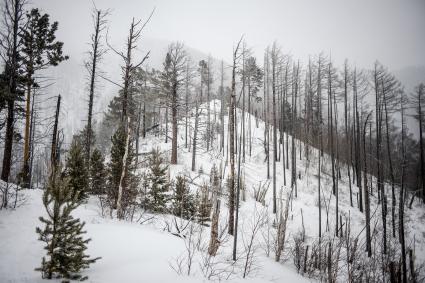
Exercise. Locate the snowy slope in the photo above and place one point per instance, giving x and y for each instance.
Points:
(130, 252)
(303, 213)
(149, 252)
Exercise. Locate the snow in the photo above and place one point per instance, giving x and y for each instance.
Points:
(130, 252)
(147, 252)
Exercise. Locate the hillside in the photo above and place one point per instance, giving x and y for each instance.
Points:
(70, 80)
(150, 248)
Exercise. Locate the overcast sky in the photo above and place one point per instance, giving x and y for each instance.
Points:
(360, 30)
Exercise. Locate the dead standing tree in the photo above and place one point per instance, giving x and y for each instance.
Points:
(346, 81)
(275, 57)
(377, 77)
(236, 58)
(136, 29)
(401, 198)
(418, 103)
(173, 77)
(95, 56)
(366, 192)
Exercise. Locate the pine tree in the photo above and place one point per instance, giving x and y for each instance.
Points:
(115, 170)
(157, 178)
(183, 201)
(62, 233)
(40, 50)
(97, 173)
(76, 170)
(83, 137)
(204, 205)
(214, 175)
(12, 19)
(173, 78)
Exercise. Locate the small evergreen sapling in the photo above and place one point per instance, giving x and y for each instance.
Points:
(183, 201)
(204, 205)
(62, 233)
(159, 186)
(115, 170)
(97, 173)
(76, 170)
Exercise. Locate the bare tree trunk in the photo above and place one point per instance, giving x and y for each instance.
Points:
(96, 55)
(294, 117)
(195, 135)
(12, 69)
(401, 200)
(53, 153)
(174, 125)
(357, 143)
(347, 139)
(238, 192)
(243, 104)
(250, 114)
(144, 120)
(128, 70)
(32, 136)
(222, 109)
(214, 242)
(390, 162)
(331, 138)
(320, 151)
(27, 135)
(232, 142)
(266, 110)
(120, 213)
(331, 130)
(208, 133)
(139, 117)
(366, 192)
(319, 98)
(319, 165)
(380, 183)
(274, 57)
(166, 122)
(284, 95)
(186, 105)
(339, 224)
(420, 90)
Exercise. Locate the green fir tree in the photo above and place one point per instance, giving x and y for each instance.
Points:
(97, 173)
(115, 167)
(204, 205)
(62, 233)
(76, 170)
(157, 197)
(183, 203)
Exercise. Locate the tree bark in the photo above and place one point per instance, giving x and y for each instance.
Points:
(12, 85)
(120, 212)
(366, 192)
(401, 197)
(174, 125)
(232, 143)
(274, 63)
(195, 135)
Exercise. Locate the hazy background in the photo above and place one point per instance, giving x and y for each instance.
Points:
(362, 31)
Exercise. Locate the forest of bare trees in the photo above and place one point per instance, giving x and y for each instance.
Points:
(338, 132)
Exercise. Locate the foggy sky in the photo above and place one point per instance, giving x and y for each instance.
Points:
(360, 30)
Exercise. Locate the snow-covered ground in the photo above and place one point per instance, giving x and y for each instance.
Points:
(149, 252)
(130, 252)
